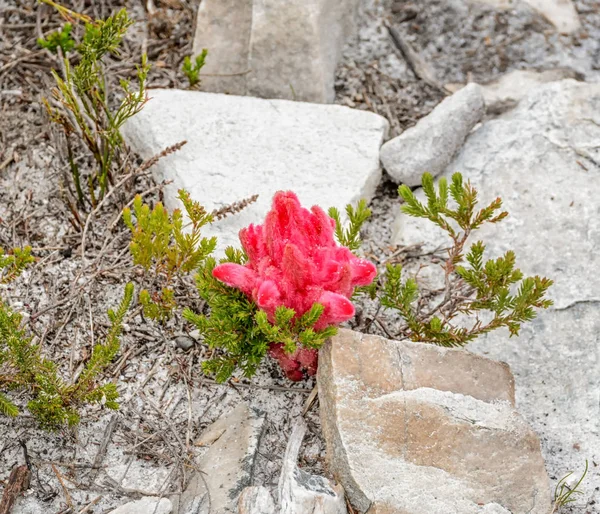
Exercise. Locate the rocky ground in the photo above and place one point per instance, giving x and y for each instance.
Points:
(148, 446)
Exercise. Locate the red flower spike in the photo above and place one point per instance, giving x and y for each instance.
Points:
(294, 261)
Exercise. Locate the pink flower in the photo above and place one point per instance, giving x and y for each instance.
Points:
(293, 260)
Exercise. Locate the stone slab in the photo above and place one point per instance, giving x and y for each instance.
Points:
(227, 466)
(241, 146)
(439, 435)
(274, 49)
(431, 144)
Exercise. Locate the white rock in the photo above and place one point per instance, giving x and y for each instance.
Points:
(432, 143)
(505, 92)
(543, 159)
(274, 49)
(256, 500)
(147, 505)
(227, 466)
(300, 492)
(240, 146)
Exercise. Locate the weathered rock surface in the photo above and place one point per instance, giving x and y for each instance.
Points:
(301, 492)
(271, 49)
(432, 143)
(543, 159)
(561, 13)
(505, 92)
(417, 429)
(149, 504)
(223, 27)
(240, 146)
(256, 500)
(227, 465)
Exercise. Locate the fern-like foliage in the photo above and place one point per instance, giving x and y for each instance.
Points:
(349, 236)
(55, 402)
(191, 69)
(13, 264)
(80, 103)
(161, 245)
(59, 39)
(476, 289)
(240, 331)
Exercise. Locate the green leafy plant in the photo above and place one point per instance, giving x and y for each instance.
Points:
(240, 330)
(59, 39)
(191, 69)
(14, 263)
(564, 494)
(350, 236)
(162, 246)
(494, 290)
(80, 102)
(274, 296)
(54, 401)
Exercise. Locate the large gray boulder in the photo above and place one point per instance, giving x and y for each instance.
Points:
(432, 143)
(543, 159)
(274, 49)
(241, 146)
(417, 429)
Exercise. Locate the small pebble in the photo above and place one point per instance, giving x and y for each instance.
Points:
(184, 342)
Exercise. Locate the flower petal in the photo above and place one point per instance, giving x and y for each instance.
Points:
(235, 275)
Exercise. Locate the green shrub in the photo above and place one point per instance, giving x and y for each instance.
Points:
(494, 289)
(165, 250)
(53, 401)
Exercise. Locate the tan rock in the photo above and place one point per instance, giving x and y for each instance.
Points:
(273, 49)
(418, 429)
(223, 28)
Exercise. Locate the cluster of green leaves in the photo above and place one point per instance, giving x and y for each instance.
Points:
(13, 264)
(54, 401)
(191, 69)
(350, 236)
(80, 102)
(240, 331)
(59, 39)
(160, 244)
(473, 287)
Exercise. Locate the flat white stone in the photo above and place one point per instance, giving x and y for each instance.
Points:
(227, 466)
(505, 92)
(240, 146)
